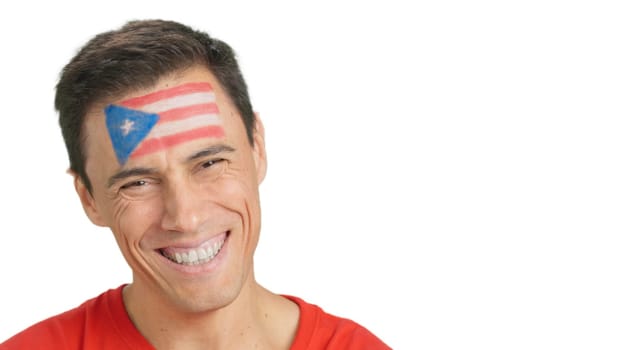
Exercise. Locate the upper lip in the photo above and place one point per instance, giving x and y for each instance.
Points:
(195, 243)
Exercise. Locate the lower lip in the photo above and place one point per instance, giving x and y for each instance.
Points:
(203, 268)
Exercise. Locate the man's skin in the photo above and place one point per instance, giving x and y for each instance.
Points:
(194, 193)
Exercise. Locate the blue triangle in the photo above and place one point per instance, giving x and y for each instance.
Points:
(127, 128)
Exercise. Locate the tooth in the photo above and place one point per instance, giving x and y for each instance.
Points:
(192, 256)
(202, 254)
(178, 258)
(184, 257)
(210, 252)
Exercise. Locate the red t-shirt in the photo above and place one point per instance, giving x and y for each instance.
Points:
(103, 323)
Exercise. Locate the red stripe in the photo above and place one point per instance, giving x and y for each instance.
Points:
(156, 144)
(188, 111)
(167, 93)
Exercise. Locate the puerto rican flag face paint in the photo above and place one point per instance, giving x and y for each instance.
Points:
(165, 118)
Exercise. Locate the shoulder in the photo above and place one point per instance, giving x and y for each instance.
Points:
(57, 332)
(318, 329)
(62, 331)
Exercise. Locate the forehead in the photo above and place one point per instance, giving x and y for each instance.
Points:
(165, 118)
(180, 108)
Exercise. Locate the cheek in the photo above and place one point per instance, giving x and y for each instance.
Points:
(238, 194)
(132, 218)
(236, 185)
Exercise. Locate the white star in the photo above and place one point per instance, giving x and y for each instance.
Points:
(127, 126)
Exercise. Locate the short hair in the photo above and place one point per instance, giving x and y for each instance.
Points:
(134, 57)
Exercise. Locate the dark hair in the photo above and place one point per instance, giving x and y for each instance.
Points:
(135, 57)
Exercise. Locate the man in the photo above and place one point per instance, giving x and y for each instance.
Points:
(165, 150)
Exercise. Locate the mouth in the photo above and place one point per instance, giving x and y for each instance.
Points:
(199, 255)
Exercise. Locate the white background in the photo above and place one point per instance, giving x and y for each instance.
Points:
(446, 173)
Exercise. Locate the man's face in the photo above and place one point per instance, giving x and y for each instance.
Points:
(176, 179)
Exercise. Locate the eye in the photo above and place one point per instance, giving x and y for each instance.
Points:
(137, 183)
(139, 189)
(211, 162)
(211, 168)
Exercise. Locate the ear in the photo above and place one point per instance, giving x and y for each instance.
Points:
(259, 149)
(87, 200)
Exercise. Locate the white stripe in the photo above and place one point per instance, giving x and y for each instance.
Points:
(179, 101)
(174, 127)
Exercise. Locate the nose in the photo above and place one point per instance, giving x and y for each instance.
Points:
(182, 208)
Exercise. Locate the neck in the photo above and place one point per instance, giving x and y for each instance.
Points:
(256, 318)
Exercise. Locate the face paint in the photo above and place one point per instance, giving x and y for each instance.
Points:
(165, 118)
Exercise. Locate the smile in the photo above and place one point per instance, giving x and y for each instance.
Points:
(195, 256)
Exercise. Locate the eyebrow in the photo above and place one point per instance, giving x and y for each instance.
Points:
(206, 152)
(210, 151)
